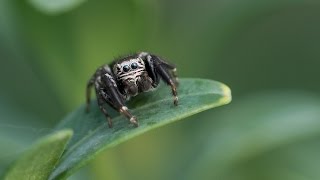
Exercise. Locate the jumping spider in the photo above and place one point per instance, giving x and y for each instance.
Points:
(127, 77)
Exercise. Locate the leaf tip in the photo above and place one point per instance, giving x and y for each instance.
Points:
(61, 135)
(66, 133)
(227, 97)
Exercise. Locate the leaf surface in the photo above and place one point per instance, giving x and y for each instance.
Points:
(153, 109)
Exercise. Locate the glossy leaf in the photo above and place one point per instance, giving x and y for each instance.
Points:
(39, 161)
(153, 109)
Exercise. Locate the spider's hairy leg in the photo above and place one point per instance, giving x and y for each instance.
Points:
(124, 110)
(175, 75)
(101, 101)
(114, 98)
(167, 73)
(88, 93)
(171, 67)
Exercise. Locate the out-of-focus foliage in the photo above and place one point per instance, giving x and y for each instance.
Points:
(39, 161)
(55, 7)
(250, 45)
(281, 118)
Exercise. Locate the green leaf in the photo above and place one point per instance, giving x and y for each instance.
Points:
(39, 161)
(153, 109)
(56, 6)
(258, 124)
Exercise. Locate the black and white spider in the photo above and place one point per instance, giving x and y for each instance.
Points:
(128, 76)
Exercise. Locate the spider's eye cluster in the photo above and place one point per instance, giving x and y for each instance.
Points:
(126, 68)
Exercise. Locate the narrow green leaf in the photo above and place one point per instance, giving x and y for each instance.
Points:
(56, 6)
(153, 109)
(39, 161)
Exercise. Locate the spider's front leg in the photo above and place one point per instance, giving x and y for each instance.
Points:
(107, 91)
(167, 73)
(101, 101)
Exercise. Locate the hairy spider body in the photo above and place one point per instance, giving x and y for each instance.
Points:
(128, 76)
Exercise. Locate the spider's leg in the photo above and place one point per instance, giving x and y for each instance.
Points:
(88, 93)
(101, 101)
(167, 73)
(114, 98)
(172, 68)
(150, 67)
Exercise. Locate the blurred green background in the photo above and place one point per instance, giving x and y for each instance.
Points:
(267, 51)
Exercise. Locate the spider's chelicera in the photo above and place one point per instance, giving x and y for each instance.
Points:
(128, 76)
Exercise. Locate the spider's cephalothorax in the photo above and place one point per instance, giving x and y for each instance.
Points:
(127, 77)
(132, 76)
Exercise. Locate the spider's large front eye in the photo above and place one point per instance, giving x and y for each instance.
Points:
(126, 68)
(134, 65)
